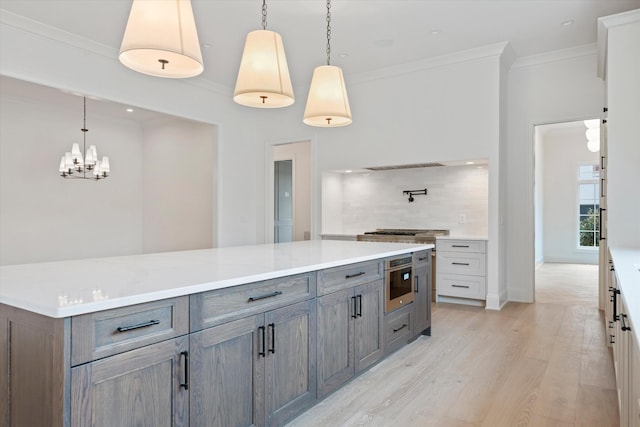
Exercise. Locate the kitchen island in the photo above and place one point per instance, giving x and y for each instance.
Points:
(225, 336)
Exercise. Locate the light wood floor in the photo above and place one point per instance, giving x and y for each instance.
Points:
(542, 364)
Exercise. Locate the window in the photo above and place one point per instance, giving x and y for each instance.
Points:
(588, 205)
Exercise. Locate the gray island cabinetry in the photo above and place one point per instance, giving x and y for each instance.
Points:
(259, 369)
(350, 313)
(422, 277)
(230, 350)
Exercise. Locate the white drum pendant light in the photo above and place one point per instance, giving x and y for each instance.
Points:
(263, 79)
(327, 103)
(161, 39)
(593, 135)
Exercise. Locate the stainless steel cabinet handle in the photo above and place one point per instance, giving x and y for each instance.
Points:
(460, 263)
(460, 286)
(459, 246)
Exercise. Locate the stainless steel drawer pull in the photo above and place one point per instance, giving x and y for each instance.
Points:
(423, 258)
(259, 297)
(138, 326)
(460, 286)
(459, 246)
(460, 263)
(351, 276)
(404, 325)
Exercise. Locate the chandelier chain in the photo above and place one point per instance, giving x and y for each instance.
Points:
(264, 14)
(328, 32)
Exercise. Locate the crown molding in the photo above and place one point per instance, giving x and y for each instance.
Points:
(556, 56)
(59, 36)
(604, 23)
(48, 32)
(484, 52)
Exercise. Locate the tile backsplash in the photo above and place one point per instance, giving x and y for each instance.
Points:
(457, 200)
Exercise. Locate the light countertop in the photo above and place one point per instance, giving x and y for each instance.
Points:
(627, 265)
(68, 288)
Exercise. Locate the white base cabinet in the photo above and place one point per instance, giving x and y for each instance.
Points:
(626, 352)
(461, 273)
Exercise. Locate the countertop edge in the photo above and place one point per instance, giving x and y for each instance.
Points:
(178, 291)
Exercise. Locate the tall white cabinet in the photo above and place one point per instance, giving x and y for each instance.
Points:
(619, 66)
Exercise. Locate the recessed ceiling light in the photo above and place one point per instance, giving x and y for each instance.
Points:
(207, 45)
(129, 110)
(435, 32)
(343, 55)
(567, 22)
(348, 171)
(469, 163)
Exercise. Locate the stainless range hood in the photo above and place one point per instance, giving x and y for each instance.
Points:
(411, 166)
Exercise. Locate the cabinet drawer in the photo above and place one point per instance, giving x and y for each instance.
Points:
(347, 276)
(478, 246)
(461, 263)
(422, 258)
(461, 286)
(398, 328)
(109, 332)
(223, 305)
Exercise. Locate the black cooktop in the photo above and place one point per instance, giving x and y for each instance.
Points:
(393, 233)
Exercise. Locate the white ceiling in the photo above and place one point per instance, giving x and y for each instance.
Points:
(366, 34)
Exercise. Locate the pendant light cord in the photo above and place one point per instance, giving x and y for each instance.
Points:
(328, 32)
(264, 14)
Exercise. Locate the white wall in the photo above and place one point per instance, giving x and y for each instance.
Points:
(554, 87)
(159, 196)
(373, 200)
(538, 196)
(564, 150)
(44, 217)
(178, 185)
(91, 68)
(442, 109)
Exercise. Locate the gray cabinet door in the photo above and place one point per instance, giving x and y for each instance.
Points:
(422, 301)
(227, 374)
(141, 387)
(369, 336)
(335, 340)
(290, 365)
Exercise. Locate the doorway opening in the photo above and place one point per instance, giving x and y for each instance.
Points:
(283, 201)
(290, 216)
(567, 212)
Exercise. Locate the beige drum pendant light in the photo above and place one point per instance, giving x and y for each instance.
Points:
(161, 39)
(263, 79)
(327, 103)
